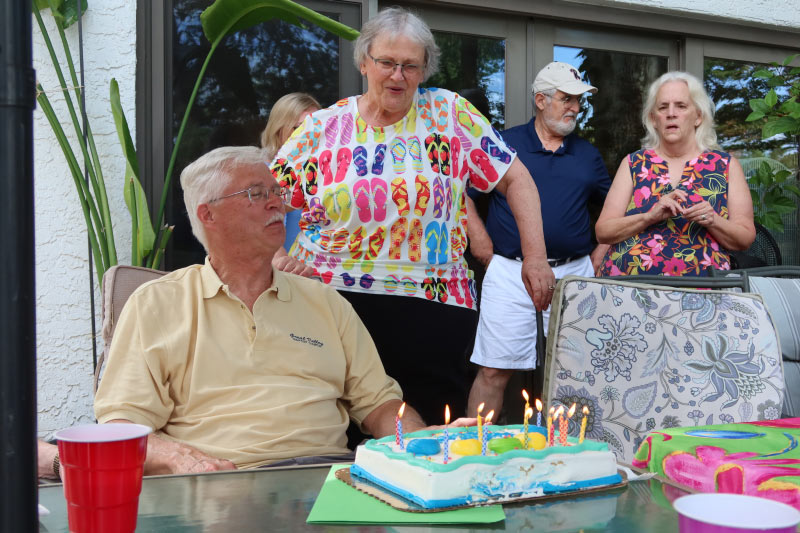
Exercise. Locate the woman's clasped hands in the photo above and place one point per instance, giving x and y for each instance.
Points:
(674, 204)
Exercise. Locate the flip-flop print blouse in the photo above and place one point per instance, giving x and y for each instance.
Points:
(674, 246)
(383, 209)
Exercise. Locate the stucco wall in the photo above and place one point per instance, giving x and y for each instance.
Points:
(63, 317)
(783, 13)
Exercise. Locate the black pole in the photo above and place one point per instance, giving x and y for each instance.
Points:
(18, 492)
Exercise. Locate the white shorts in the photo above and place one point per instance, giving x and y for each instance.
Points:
(506, 335)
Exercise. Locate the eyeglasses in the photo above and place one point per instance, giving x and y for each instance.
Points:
(256, 193)
(567, 101)
(387, 66)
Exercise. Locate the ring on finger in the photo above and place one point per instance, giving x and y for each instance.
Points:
(703, 216)
(551, 287)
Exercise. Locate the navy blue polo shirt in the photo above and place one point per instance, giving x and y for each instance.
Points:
(567, 179)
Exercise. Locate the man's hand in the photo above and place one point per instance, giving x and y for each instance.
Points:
(457, 423)
(171, 457)
(287, 263)
(597, 256)
(480, 244)
(166, 457)
(481, 249)
(540, 282)
(46, 452)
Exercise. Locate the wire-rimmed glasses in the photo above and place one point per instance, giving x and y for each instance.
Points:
(388, 67)
(256, 193)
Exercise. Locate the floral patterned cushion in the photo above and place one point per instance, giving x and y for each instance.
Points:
(643, 357)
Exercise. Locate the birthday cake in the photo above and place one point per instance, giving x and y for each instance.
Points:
(496, 468)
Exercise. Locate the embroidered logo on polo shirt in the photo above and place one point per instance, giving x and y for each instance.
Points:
(306, 340)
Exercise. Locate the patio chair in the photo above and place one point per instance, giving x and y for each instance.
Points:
(119, 282)
(643, 357)
(781, 296)
(763, 252)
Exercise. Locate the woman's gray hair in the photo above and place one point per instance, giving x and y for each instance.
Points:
(704, 134)
(205, 178)
(395, 22)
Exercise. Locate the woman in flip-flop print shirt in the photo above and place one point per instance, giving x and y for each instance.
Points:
(380, 179)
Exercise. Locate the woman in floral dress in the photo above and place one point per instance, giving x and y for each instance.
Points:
(680, 203)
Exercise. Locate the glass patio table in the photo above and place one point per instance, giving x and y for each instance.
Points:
(280, 500)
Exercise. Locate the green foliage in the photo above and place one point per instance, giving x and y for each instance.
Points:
(220, 20)
(777, 191)
(64, 11)
(91, 190)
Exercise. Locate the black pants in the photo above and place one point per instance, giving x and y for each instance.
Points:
(423, 345)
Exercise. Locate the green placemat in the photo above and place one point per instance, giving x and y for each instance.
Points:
(342, 504)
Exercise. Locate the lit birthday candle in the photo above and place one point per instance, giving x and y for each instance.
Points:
(559, 419)
(564, 429)
(446, 444)
(525, 395)
(538, 413)
(528, 414)
(583, 424)
(398, 432)
(480, 424)
(550, 430)
(485, 436)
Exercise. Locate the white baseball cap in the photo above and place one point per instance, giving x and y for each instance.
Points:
(563, 77)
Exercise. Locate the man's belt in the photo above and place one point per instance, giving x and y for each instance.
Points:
(552, 262)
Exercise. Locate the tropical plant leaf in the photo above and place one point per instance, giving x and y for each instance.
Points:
(776, 81)
(755, 115)
(788, 60)
(64, 11)
(224, 17)
(783, 205)
(759, 105)
(780, 125)
(771, 220)
(763, 73)
(135, 198)
(772, 97)
(792, 188)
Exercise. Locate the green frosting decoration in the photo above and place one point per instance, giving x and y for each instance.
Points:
(383, 445)
(504, 445)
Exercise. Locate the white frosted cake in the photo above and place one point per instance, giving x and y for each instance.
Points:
(418, 472)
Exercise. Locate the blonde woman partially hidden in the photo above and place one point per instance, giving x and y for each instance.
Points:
(287, 115)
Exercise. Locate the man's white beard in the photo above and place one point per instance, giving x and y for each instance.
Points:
(560, 127)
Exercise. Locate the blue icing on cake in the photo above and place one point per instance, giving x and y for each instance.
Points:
(419, 474)
(423, 447)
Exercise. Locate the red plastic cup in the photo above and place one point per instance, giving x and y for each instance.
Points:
(102, 467)
(734, 513)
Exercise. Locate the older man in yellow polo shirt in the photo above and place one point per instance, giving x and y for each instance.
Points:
(233, 363)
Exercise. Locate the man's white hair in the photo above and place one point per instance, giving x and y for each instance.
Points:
(205, 178)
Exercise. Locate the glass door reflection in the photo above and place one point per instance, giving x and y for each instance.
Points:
(474, 67)
(612, 119)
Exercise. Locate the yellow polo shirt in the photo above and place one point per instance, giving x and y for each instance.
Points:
(191, 361)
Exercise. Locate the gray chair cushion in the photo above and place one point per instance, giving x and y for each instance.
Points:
(782, 299)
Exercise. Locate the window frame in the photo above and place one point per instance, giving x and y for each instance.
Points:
(154, 87)
(619, 28)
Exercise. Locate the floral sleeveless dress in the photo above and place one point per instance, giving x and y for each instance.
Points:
(674, 246)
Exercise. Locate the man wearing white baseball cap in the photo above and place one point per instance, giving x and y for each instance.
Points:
(569, 173)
